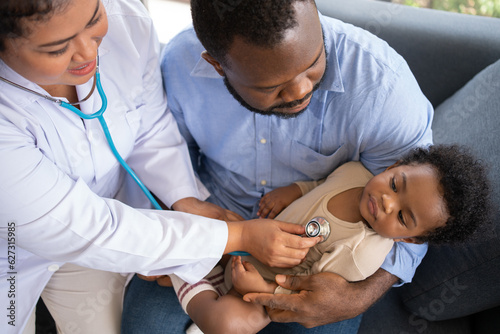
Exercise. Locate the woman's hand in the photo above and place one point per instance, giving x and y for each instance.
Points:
(206, 209)
(272, 203)
(272, 242)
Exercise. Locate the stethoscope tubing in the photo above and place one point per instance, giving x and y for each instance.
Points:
(100, 117)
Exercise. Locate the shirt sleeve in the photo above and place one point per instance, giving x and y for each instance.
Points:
(177, 111)
(168, 172)
(63, 220)
(403, 260)
(405, 117)
(307, 186)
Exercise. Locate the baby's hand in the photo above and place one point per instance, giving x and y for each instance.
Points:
(272, 203)
(246, 278)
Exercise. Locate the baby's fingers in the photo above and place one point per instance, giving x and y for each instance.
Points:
(249, 267)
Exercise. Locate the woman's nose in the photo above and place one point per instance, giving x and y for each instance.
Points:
(86, 49)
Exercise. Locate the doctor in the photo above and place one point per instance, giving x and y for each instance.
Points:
(68, 226)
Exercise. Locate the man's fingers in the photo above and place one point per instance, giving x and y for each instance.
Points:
(272, 301)
(292, 282)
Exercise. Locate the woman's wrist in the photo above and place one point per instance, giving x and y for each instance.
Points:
(234, 237)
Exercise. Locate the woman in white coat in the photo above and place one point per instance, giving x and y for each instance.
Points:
(71, 218)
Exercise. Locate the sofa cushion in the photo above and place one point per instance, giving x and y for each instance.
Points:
(444, 50)
(457, 281)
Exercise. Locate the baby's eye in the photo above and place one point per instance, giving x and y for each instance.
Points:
(393, 185)
(401, 219)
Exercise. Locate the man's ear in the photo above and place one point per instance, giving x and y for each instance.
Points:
(211, 60)
(411, 240)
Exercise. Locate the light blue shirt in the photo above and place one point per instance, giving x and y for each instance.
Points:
(369, 108)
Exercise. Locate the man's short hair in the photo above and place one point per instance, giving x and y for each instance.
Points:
(259, 22)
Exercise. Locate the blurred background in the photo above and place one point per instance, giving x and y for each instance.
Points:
(171, 16)
(473, 7)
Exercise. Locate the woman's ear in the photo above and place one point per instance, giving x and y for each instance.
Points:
(211, 60)
(411, 240)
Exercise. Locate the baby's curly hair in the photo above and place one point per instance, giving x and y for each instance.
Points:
(465, 187)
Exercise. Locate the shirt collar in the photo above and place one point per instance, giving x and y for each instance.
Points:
(333, 78)
(331, 82)
(205, 70)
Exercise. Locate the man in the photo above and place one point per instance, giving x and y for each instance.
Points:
(320, 93)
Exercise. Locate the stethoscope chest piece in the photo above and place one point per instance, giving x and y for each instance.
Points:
(318, 227)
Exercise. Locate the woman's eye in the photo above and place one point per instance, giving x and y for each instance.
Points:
(58, 52)
(95, 21)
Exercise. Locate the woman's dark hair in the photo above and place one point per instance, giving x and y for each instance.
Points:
(465, 189)
(13, 14)
(260, 22)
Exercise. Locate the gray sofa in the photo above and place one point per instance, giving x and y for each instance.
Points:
(455, 60)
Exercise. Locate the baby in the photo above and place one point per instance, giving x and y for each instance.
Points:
(437, 195)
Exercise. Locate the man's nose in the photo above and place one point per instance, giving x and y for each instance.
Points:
(297, 89)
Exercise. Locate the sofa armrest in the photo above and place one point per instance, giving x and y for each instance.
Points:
(444, 50)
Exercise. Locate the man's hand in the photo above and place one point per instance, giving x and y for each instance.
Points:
(205, 209)
(323, 298)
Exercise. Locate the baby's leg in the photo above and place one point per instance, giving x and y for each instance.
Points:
(226, 314)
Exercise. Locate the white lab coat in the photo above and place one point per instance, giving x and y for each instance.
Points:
(59, 180)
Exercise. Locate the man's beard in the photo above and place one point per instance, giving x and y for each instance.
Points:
(274, 111)
(271, 111)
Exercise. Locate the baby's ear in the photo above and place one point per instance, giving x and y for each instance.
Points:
(411, 240)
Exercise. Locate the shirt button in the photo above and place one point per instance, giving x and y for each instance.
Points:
(53, 267)
(263, 182)
(263, 141)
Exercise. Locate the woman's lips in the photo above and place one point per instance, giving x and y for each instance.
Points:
(84, 69)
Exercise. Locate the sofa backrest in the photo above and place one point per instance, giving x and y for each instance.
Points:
(444, 50)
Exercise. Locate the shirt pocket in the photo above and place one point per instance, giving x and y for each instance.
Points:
(133, 118)
(314, 164)
(124, 127)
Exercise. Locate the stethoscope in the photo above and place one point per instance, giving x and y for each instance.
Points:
(316, 227)
(99, 115)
